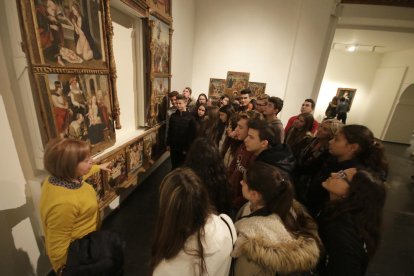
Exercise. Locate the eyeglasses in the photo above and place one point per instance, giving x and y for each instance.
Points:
(342, 175)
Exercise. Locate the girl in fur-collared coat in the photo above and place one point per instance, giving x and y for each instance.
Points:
(275, 234)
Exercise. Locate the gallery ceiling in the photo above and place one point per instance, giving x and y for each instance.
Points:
(380, 41)
(379, 29)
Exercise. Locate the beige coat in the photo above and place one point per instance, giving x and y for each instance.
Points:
(265, 247)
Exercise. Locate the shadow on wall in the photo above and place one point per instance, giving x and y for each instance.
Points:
(16, 261)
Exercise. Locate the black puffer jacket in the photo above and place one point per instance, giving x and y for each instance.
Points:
(181, 130)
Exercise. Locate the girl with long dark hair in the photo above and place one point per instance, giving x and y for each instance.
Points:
(209, 127)
(205, 160)
(225, 114)
(202, 99)
(350, 225)
(353, 146)
(200, 116)
(189, 238)
(300, 133)
(275, 234)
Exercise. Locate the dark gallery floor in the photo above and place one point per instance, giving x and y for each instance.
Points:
(135, 219)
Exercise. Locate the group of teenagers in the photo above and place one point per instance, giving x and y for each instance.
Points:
(246, 196)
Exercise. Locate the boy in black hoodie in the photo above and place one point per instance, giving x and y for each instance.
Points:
(181, 133)
(265, 144)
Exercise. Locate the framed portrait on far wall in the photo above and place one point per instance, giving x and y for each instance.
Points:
(216, 87)
(236, 81)
(348, 94)
(257, 88)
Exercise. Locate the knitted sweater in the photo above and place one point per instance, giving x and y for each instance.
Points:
(67, 214)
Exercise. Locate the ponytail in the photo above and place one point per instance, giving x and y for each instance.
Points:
(370, 152)
(277, 194)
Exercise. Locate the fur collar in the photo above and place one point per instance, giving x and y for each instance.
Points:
(266, 242)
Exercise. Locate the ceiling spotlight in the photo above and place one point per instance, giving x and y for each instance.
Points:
(351, 48)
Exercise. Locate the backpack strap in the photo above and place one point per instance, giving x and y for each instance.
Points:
(223, 218)
(228, 226)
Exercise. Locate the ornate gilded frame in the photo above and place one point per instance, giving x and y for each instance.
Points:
(162, 9)
(52, 34)
(158, 39)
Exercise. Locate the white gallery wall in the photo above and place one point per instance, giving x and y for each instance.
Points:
(380, 80)
(400, 124)
(279, 42)
(348, 70)
(182, 44)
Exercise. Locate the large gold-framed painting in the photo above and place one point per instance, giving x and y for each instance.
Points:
(79, 107)
(68, 45)
(160, 46)
(159, 42)
(68, 33)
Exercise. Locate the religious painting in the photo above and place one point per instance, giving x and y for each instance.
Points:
(96, 181)
(235, 82)
(79, 107)
(160, 46)
(150, 141)
(347, 93)
(159, 89)
(135, 156)
(68, 46)
(118, 171)
(161, 7)
(257, 88)
(216, 87)
(69, 33)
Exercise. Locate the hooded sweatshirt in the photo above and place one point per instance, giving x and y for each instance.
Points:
(279, 156)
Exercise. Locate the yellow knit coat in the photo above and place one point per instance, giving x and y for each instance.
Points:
(67, 215)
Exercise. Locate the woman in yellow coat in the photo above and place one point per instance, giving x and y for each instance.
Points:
(68, 205)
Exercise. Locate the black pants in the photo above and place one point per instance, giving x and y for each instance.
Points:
(177, 158)
(342, 117)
